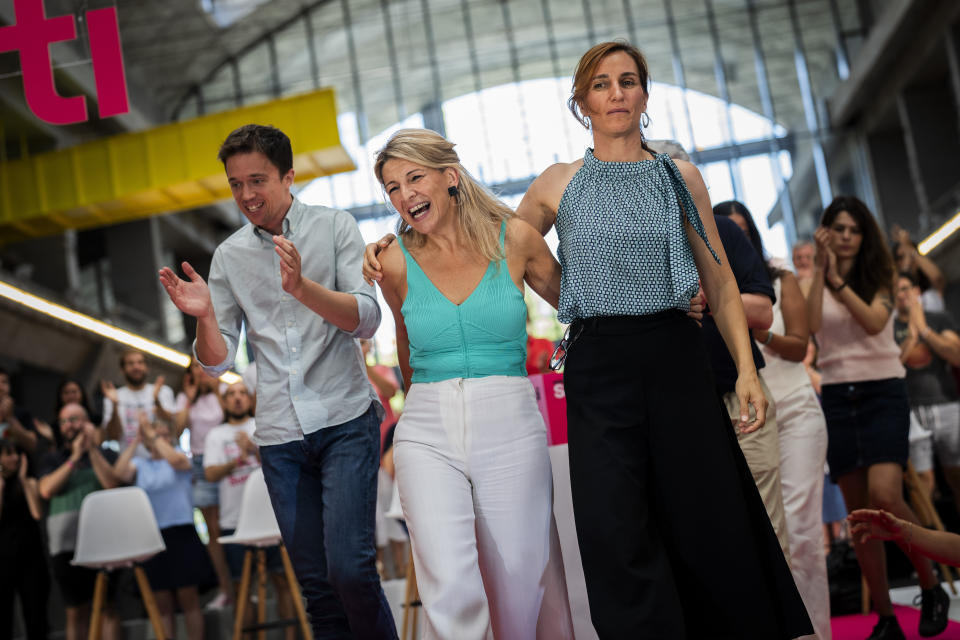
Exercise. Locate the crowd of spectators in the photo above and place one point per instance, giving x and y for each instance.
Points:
(836, 309)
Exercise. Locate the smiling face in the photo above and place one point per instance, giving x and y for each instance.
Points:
(420, 194)
(259, 189)
(72, 418)
(616, 98)
(845, 236)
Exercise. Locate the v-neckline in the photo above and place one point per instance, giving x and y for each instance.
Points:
(442, 294)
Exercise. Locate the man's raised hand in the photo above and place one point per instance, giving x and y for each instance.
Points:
(190, 296)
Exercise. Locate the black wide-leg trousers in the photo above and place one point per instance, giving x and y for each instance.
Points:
(674, 537)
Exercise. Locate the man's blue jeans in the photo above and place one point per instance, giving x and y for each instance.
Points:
(324, 492)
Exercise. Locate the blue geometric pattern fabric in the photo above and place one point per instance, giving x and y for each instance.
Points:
(623, 249)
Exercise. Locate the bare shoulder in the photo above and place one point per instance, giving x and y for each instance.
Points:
(393, 264)
(691, 175)
(556, 176)
(789, 278)
(519, 231)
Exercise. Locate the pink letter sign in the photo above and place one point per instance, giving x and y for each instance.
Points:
(32, 35)
(553, 405)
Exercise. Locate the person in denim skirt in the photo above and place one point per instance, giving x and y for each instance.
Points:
(864, 396)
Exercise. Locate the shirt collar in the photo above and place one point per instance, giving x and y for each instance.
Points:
(290, 223)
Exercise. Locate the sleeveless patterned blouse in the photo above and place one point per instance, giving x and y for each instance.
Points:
(623, 249)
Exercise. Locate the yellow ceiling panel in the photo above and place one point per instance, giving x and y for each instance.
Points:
(168, 168)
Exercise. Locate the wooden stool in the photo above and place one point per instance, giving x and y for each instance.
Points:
(411, 600)
(927, 515)
(99, 594)
(261, 626)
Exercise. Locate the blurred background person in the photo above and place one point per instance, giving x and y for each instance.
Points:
(183, 565)
(802, 255)
(199, 410)
(390, 534)
(122, 405)
(384, 382)
(864, 396)
(929, 346)
(229, 457)
(928, 276)
(16, 423)
(79, 467)
(22, 557)
(801, 427)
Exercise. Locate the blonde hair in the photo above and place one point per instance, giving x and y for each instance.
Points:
(479, 212)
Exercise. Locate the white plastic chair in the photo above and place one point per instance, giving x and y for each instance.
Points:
(257, 527)
(118, 529)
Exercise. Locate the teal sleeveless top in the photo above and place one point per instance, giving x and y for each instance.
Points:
(623, 249)
(485, 335)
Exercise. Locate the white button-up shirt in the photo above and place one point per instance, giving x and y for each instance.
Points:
(310, 373)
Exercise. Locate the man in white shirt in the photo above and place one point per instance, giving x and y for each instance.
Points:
(292, 278)
(230, 456)
(122, 406)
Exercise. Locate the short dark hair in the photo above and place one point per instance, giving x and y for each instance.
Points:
(906, 275)
(729, 207)
(126, 353)
(9, 446)
(269, 141)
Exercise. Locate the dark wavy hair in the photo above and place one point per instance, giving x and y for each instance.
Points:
(729, 207)
(873, 269)
(269, 141)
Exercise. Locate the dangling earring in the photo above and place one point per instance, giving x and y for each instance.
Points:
(453, 191)
(644, 120)
(586, 122)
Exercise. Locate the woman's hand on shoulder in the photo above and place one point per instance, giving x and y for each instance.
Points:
(393, 266)
(371, 264)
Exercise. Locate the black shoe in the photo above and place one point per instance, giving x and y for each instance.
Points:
(934, 605)
(887, 629)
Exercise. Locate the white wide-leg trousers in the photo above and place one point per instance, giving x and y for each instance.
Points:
(477, 493)
(803, 449)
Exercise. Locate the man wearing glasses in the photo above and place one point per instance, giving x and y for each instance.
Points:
(67, 475)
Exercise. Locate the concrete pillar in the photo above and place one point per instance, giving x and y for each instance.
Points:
(896, 201)
(929, 119)
(133, 273)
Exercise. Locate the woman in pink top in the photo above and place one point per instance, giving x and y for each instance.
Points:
(199, 409)
(864, 395)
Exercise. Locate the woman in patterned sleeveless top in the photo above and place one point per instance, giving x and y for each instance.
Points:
(470, 449)
(654, 463)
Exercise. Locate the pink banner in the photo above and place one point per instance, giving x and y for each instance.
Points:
(553, 405)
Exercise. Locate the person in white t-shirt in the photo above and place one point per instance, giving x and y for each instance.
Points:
(229, 457)
(122, 406)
